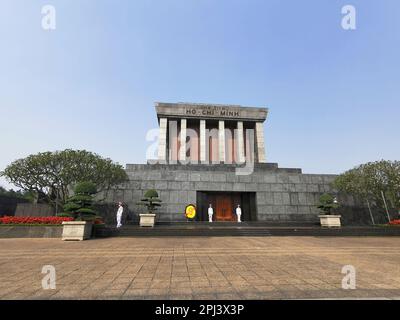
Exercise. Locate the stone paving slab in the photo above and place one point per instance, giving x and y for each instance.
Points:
(211, 268)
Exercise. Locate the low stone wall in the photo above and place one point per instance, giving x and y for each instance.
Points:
(34, 210)
(108, 212)
(30, 231)
(9, 204)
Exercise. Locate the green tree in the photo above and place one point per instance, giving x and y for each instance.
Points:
(151, 200)
(16, 194)
(80, 205)
(327, 203)
(369, 180)
(51, 175)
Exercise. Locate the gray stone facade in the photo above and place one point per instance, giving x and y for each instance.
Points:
(281, 194)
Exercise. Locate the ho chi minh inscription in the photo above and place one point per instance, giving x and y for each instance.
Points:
(211, 111)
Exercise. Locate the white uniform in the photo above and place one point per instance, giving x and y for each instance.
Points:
(119, 216)
(239, 214)
(210, 214)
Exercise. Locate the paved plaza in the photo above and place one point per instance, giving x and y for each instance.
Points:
(201, 268)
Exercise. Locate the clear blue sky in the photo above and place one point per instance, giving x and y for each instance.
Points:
(334, 95)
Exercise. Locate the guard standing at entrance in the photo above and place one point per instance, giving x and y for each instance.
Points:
(210, 213)
(119, 214)
(239, 213)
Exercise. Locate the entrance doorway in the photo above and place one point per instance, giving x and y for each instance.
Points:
(223, 210)
(224, 205)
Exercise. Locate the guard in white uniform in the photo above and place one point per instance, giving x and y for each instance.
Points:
(119, 214)
(210, 213)
(239, 213)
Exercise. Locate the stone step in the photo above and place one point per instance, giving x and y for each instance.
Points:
(215, 231)
(233, 223)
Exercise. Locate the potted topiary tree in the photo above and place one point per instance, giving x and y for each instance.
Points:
(79, 206)
(327, 204)
(152, 202)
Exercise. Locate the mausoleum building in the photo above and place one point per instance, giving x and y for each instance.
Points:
(216, 154)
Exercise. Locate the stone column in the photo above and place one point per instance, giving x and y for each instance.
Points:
(260, 142)
(182, 149)
(162, 141)
(172, 144)
(202, 141)
(221, 140)
(240, 143)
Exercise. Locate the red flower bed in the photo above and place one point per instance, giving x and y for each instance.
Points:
(34, 220)
(395, 222)
(98, 221)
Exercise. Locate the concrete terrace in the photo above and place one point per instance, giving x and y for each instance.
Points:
(201, 268)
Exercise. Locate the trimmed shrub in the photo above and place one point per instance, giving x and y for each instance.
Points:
(151, 200)
(85, 187)
(151, 194)
(80, 205)
(327, 203)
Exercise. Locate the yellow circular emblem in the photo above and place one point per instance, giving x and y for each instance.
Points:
(190, 211)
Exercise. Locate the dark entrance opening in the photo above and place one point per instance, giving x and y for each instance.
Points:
(224, 205)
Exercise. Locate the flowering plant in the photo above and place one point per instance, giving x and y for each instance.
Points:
(395, 222)
(98, 221)
(34, 220)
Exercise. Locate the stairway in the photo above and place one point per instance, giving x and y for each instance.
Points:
(227, 229)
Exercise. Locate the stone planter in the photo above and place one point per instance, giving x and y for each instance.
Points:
(147, 219)
(330, 221)
(77, 230)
